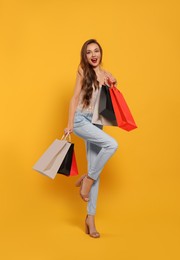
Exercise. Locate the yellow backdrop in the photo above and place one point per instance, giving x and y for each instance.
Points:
(138, 206)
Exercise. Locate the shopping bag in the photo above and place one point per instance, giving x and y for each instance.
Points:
(123, 114)
(69, 166)
(74, 169)
(65, 166)
(49, 163)
(99, 119)
(105, 104)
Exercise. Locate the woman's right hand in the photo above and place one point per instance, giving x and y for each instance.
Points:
(68, 130)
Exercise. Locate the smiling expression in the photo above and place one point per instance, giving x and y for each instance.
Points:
(93, 54)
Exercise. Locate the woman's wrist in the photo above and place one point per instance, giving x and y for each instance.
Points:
(70, 125)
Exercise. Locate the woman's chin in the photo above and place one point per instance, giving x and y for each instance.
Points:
(94, 65)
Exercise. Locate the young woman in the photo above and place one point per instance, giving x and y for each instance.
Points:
(99, 145)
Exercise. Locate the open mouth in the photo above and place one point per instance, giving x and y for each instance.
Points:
(94, 60)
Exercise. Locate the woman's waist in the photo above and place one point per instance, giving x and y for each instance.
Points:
(84, 113)
(84, 110)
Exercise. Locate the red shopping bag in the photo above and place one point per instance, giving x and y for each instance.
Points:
(74, 169)
(123, 114)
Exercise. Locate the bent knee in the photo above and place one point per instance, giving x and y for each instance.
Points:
(114, 145)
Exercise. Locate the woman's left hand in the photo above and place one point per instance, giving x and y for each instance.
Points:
(109, 79)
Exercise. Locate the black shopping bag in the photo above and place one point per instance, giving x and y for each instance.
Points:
(105, 104)
(65, 167)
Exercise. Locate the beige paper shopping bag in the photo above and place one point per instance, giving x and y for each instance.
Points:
(49, 163)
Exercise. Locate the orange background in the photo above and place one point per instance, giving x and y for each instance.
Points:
(138, 206)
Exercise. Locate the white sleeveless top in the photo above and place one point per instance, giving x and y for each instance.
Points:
(90, 108)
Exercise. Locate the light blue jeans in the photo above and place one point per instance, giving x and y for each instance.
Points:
(99, 148)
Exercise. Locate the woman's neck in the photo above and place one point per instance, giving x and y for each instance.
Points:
(97, 69)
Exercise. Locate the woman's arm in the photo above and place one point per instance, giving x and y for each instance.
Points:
(74, 101)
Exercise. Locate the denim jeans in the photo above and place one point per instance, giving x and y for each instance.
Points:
(99, 148)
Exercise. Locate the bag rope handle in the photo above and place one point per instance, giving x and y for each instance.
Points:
(66, 136)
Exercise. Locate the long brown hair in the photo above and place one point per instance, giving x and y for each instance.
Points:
(90, 77)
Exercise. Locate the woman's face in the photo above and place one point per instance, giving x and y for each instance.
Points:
(93, 54)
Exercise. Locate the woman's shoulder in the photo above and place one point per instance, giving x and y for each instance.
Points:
(105, 71)
(80, 71)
